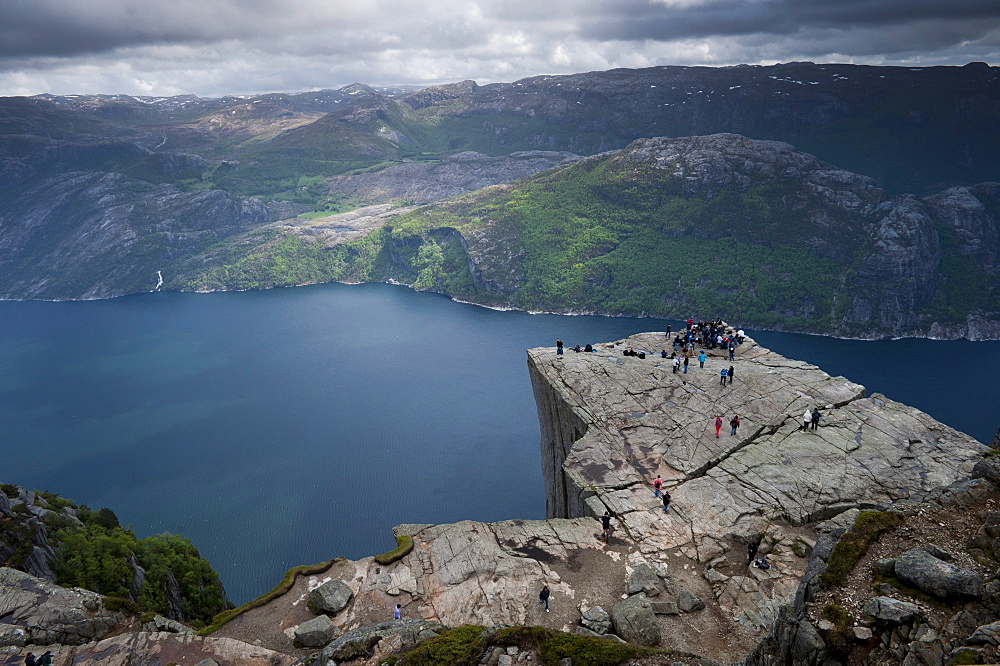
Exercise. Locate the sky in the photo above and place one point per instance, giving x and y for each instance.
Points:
(218, 47)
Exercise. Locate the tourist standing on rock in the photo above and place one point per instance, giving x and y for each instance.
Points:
(397, 612)
(815, 418)
(666, 501)
(732, 351)
(732, 373)
(686, 361)
(657, 485)
(807, 419)
(29, 659)
(669, 327)
(722, 376)
(677, 364)
(718, 425)
(543, 597)
(734, 423)
(701, 358)
(45, 659)
(752, 550)
(559, 346)
(606, 525)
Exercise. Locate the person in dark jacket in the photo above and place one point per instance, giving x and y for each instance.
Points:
(815, 418)
(543, 597)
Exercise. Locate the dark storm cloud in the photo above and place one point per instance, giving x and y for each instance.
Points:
(667, 20)
(213, 47)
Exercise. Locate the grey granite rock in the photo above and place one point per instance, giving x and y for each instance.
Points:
(316, 632)
(890, 610)
(987, 634)
(597, 619)
(643, 579)
(53, 614)
(361, 642)
(689, 602)
(634, 620)
(935, 576)
(330, 597)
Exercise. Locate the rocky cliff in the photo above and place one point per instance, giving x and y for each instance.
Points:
(720, 223)
(675, 579)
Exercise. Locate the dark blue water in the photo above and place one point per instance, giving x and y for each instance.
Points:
(290, 426)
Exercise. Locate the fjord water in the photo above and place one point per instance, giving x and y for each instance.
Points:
(291, 426)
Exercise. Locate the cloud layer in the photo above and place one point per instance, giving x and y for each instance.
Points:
(216, 47)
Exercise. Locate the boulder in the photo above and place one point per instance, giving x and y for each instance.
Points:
(932, 575)
(688, 602)
(890, 610)
(360, 643)
(597, 620)
(634, 620)
(330, 597)
(643, 579)
(316, 632)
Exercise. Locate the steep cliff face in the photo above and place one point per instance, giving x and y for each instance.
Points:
(86, 235)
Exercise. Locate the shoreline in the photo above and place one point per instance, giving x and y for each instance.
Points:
(508, 308)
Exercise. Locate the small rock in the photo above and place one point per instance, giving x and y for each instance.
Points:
(505, 660)
(664, 607)
(825, 625)
(688, 602)
(886, 567)
(890, 610)
(862, 633)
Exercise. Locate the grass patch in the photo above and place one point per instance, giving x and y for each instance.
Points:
(837, 637)
(867, 528)
(281, 588)
(9, 490)
(404, 545)
(453, 647)
(992, 453)
(468, 645)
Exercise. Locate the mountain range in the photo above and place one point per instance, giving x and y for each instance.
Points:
(841, 199)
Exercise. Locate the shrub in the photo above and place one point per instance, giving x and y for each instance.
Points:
(453, 647)
(867, 528)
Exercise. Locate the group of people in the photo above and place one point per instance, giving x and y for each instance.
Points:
(44, 660)
(810, 420)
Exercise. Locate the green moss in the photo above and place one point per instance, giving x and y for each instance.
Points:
(281, 588)
(964, 656)
(800, 547)
(837, 638)
(992, 453)
(467, 645)
(453, 647)
(404, 545)
(867, 528)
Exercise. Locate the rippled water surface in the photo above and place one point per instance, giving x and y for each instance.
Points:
(291, 426)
